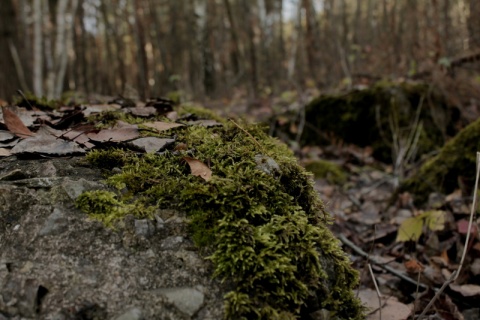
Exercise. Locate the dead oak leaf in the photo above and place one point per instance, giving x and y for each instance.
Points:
(14, 124)
(198, 168)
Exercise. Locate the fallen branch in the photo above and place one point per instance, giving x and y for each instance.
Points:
(358, 250)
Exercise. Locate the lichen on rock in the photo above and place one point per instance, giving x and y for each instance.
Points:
(266, 231)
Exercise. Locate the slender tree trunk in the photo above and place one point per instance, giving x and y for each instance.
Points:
(474, 24)
(234, 50)
(38, 47)
(139, 34)
(251, 48)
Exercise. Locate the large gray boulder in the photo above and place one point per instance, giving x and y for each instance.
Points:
(57, 263)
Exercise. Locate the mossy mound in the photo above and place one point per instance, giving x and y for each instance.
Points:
(258, 217)
(370, 117)
(456, 160)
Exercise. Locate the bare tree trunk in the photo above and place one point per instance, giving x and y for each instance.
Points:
(66, 47)
(139, 35)
(38, 47)
(251, 49)
(474, 24)
(56, 70)
(234, 50)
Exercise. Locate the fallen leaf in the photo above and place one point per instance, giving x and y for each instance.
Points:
(206, 123)
(475, 267)
(391, 308)
(98, 108)
(410, 230)
(172, 115)
(462, 227)
(198, 168)
(435, 219)
(466, 290)
(115, 135)
(162, 126)
(14, 124)
(151, 144)
(5, 152)
(44, 142)
(6, 136)
(142, 111)
(414, 266)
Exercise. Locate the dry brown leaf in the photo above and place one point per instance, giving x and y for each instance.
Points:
(198, 168)
(466, 290)
(46, 142)
(414, 266)
(14, 124)
(4, 152)
(151, 144)
(115, 135)
(162, 126)
(392, 310)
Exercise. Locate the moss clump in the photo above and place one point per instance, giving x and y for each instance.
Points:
(105, 206)
(441, 173)
(330, 171)
(29, 99)
(267, 231)
(366, 117)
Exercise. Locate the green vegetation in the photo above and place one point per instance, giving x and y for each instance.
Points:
(372, 116)
(29, 99)
(441, 173)
(330, 171)
(267, 229)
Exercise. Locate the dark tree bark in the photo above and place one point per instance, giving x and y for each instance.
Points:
(9, 80)
(474, 23)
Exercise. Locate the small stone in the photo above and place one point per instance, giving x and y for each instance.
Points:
(267, 165)
(56, 223)
(171, 242)
(186, 300)
(143, 227)
(76, 188)
(13, 175)
(132, 314)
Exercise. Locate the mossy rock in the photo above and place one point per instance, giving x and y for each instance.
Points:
(258, 219)
(454, 162)
(365, 117)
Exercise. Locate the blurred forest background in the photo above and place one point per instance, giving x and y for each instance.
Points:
(214, 49)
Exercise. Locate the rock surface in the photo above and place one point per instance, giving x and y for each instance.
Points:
(56, 263)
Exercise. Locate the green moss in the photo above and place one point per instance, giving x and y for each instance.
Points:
(108, 119)
(365, 117)
(199, 112)
(330, 171)
(267, 231)
(441, 173)
(105, 206)
(31, 100)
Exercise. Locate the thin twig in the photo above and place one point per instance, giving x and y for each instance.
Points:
(456, 273)
(250, 135)
(380, 264)
(379, 294)
(24, 98)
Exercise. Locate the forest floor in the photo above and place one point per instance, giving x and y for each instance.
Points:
(404, 254)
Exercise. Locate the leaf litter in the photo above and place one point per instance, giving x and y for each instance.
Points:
(420, 246)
